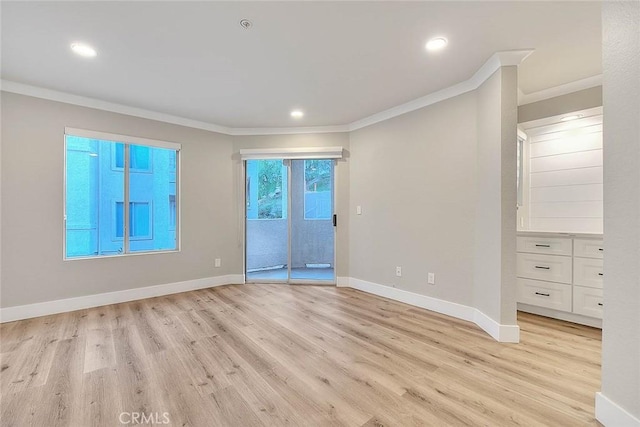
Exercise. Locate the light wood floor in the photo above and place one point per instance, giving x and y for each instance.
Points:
(246, 355)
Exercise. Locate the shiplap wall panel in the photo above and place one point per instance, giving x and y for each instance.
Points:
(567, 209)
(565, 177)
(577, 160)
(568, 193)
(572, 144)
(539, 137)
(567, 225)
(581, 125)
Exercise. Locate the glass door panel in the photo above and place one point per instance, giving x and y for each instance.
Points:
(312, 230)
(267, 224)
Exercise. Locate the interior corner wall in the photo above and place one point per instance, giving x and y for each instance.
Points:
(33, 269)
(342, 171)
(413, 176)
(495, 213)
(621, 323)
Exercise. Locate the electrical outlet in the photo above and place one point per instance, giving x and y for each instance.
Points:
(431, 279)
(399, 271)
(217, 262)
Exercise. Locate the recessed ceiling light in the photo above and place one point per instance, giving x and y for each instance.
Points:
(436, 43)
(296, 114)
(83, 50)
(572, 117)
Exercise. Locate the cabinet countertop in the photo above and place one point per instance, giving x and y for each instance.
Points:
(532, 233)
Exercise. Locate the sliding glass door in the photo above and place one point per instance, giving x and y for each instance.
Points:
(290, 229)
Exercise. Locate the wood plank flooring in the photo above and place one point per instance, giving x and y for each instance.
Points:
(271, 355)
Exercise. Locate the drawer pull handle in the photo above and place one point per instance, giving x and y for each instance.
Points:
(542, 246)
(543, 294)
(601, 249)
(542, 267)
(600, 274)
(600, 304)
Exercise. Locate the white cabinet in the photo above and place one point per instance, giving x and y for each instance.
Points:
(553, 268)
(588, 248)
(587, 301)
(562, 274)
(588, 272)
(545, 294)
(544, 245)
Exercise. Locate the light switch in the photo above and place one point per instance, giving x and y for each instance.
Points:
(358, 210)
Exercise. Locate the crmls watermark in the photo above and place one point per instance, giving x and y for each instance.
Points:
(151, 418)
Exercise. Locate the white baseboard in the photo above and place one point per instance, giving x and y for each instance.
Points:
(9, 314)
(612, 415)
(342, 282)
(501, 333)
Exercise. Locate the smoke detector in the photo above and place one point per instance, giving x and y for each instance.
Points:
(246, 24)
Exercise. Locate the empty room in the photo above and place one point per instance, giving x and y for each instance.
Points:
(313, 213)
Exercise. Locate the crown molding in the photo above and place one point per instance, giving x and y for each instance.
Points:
(288, 131)
(497, 60)
(552, 92)
(83, 101)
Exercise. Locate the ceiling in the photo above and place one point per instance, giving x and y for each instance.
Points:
(337, 61)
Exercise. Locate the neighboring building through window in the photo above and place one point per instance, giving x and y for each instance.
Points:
(98, 169)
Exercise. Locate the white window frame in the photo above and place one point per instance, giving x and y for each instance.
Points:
(128, 141)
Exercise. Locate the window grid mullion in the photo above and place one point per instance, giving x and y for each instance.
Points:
(126, 209)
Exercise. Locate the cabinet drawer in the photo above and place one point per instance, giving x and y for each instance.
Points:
(588, 272)
(544, 294)
(588, 248)
(544, 245)
(553, 268)
(587, 301)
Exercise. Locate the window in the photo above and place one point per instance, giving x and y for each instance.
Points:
(139, 220)
(139, 157)
(106, 173)
(267, 199)
(172, 212)
(317, 189)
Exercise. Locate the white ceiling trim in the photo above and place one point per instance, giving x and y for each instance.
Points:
(54, 95)
(288, 131)
(552, 92)
(291, 153)
(497, 60)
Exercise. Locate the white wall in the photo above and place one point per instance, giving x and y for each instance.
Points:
(32, 205)
(494, 274)
(413, 176)
(621, 333)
